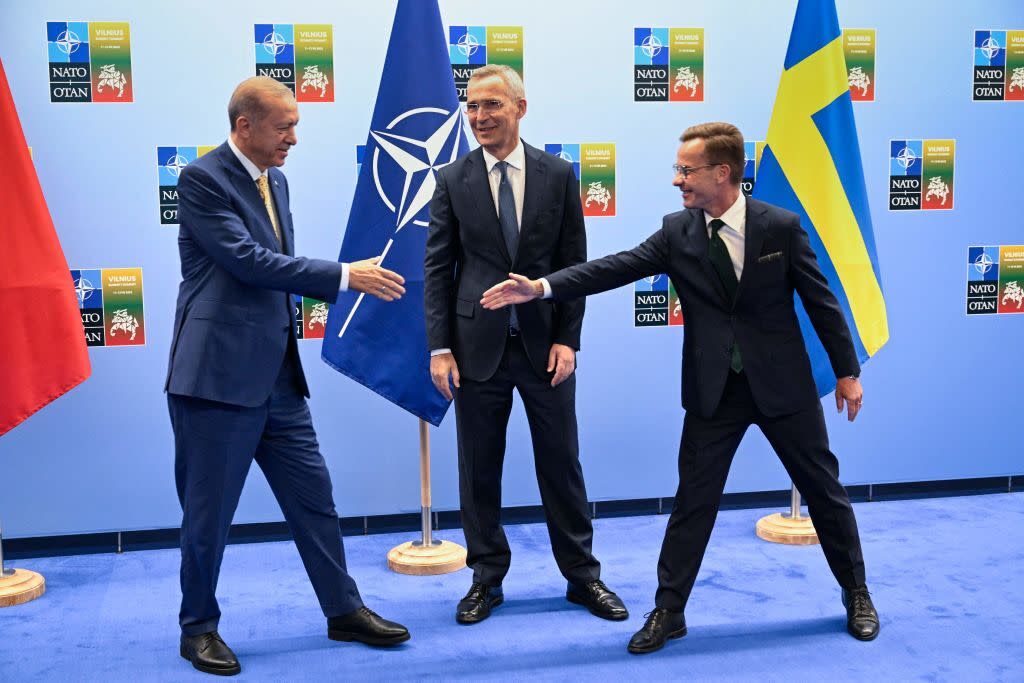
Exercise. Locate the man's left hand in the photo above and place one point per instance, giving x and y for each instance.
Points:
(848, 389)
(561, 359)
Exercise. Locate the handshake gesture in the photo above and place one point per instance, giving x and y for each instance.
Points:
(367, 277)
(516, 290)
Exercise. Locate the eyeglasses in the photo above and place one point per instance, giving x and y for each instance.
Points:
(685, 171)
(489, 106)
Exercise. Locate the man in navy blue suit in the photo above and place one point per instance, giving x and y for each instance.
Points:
(235, 387)
(736, 264)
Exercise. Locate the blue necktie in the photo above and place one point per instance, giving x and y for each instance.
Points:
(509, 224)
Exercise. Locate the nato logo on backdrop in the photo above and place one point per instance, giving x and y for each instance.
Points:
(470, 47)
(299, 55)
(170, 161)
(998, 65)
(594, 166)
(668, 64)
(89, 61)
(111, 305)
(655, 303)
(921, 175)
(995, 280)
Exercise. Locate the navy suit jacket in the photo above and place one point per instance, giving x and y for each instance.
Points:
(466, 254)
(235, 317)
(778, 261)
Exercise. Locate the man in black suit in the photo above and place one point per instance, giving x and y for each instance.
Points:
(736, 263)
(509, 206)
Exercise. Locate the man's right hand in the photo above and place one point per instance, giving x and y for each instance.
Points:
(518, 289)
(443, 366)
(369, 278)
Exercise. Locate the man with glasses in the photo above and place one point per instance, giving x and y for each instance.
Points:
(508, 206)
(736, 264)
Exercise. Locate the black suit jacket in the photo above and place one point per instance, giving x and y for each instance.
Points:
(778, 261)
(466, 254)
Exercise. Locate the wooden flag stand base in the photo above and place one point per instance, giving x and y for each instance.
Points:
(426, 557)
(19, 586)
(790, 528)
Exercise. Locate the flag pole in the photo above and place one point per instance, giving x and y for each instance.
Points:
(18, 586)
(790, 528)
(426, 557)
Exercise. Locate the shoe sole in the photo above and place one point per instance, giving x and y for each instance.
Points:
(580, 601)
(494, 603)
(348, 637)
(644, 650)
(210, 669)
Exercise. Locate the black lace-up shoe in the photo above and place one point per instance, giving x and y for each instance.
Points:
(861, 617)
(209, 654)
(596, 597)
(477, 604)
(661, 626)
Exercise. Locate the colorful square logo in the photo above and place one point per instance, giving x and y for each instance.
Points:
(299, 55)
(111, 305)
(921, 175)
(470, 47)
(89, 61)
(668, 64)
(594, 165)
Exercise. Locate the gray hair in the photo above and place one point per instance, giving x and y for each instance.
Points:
(250, 97)
(513, 81)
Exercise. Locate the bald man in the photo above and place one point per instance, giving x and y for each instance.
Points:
(235, 387)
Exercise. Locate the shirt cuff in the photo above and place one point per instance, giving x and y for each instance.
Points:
(438, 352)
(343, 285)
(547, 288)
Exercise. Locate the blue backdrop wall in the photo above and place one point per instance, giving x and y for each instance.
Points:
(942, 398)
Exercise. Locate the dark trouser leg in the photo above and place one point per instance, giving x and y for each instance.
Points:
(801, 442)
(481, 418)
(705, 454)
(214, 445)
(290, 458)
(551, 413)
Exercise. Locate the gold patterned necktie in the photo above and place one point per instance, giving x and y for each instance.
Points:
(264, 187)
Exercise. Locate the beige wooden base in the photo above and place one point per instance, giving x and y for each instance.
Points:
(23, 586)
(427, 561)
(779, 528)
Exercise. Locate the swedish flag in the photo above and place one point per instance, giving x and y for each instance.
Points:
(811, 165)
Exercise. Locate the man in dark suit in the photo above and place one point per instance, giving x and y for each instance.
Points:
(735, 263)
(507, 205)
(235, 386)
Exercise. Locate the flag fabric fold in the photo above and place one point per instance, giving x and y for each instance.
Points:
(811, 165)
(416, 128)
(43, 345)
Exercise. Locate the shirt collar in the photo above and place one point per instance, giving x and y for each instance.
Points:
(516, 158)
(253, 169)
(735, 216)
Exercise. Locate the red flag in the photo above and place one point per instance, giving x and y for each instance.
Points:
(42, 348)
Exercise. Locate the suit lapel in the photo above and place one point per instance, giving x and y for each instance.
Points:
(248, 191)
(536, 170)
(753, 238)
(697, 232)
(475, 177)
(281, 205)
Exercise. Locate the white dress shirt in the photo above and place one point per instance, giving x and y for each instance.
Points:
(516, 173)
(734, 232)
(255, 173)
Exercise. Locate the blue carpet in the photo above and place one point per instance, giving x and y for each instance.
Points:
(945, 575)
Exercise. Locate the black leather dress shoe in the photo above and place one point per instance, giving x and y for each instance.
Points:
(861, 617)
(209, 654)
(661, 625)
(477, 604)
(596, 597)
(366, 626)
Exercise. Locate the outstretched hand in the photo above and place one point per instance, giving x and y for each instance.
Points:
(516, 290)
(367, 277)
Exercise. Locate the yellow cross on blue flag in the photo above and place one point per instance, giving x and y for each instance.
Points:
(811, 165)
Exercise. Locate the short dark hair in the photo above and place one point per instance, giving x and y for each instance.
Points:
(250, 97)
(723, 144)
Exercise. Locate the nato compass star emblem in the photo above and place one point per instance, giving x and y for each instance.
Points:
(417, 160)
